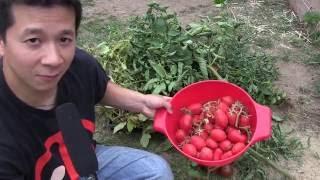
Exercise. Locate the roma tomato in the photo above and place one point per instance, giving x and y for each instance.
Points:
(225, 145)
(226, 171)
(189, 149)
(238, 147)
(223, 106)
(198, 142)
(208, 127)
(180, 135)
(226, 155)
(196, 119)
(195, 108)
(217, 154)
(244, 121)
(185, 122)
(221, 118)
(206, 154)
(232, 117)
(228, 100)
(218, 135)
(211, 143)
(204, 134)
(236, 136)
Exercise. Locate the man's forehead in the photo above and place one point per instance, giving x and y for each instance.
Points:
(36, 20)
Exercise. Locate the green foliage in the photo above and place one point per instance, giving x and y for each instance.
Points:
(161, 57)
(312, 19)
(279, 145)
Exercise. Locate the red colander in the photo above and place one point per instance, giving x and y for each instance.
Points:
(205, 91)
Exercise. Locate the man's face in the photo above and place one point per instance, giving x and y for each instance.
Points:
(39, 46)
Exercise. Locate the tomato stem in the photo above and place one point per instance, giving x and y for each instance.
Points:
(216, 73)
(257, 155)
(238, 117)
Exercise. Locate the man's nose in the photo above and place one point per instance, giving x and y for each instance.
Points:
(52, 56)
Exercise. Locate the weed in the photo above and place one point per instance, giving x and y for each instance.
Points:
(312, 20)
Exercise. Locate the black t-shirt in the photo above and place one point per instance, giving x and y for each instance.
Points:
(31, 144)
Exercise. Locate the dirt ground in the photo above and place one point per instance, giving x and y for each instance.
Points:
(296, 79)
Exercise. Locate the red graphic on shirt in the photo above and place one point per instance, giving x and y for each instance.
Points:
(58, 139)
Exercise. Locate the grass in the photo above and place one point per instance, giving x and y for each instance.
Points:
(94, 31)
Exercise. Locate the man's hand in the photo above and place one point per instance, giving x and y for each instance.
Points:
(153, 102)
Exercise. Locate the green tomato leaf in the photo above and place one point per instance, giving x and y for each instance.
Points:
(145, 138)
(277, 118)
(130, 125)
(159, 88)
(119, 127)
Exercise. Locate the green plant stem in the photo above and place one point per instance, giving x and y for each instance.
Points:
(216, 73)
(257, 155)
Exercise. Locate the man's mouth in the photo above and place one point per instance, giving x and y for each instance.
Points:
(48, 77)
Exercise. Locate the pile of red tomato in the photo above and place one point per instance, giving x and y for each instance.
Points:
(214, 130)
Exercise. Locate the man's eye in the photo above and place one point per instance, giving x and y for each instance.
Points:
(65, 40)
(33, 41)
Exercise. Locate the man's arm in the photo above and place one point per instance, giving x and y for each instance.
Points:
(134, 101)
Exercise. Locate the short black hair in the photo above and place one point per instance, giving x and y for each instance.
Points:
(6, 14)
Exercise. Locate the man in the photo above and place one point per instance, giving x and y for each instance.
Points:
(41, 69)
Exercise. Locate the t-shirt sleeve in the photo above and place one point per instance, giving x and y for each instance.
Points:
(101, 82)
(98, 77)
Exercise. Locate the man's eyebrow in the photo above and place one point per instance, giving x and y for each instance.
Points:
(40, 31)
(68, 32)
(32, 31)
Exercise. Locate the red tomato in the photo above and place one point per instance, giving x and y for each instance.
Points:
(228, 100)
(221, 118)
(180, 135)
(211, 143)
(217, 154)
(195, 108)
(223, 106)
(208, 127)
(185, 122)
(225, 145)
(226, 171)
(196, 119)
(236, 136)
(238, 147)
(232, 117)
(226, 155)
(198, 142)
(218, 135)
(206, 154)
(244, 121)
(229, 128)
(189, 149)
(204, 134)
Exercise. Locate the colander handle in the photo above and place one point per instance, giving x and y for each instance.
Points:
(159, 120)
(263, 126)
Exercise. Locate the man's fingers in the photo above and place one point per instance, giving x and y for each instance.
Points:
(167, 104)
